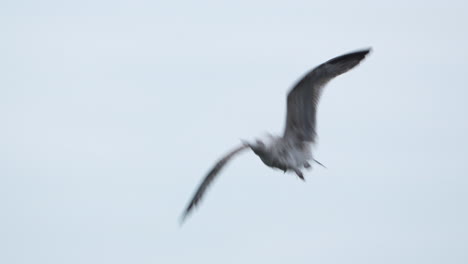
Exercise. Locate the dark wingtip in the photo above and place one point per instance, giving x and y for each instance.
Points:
(184, 216)
(365, 52)
(187, 211)
(182, 219)
(361, 52)
(359, 55)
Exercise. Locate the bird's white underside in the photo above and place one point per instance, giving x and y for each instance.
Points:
(285, 154)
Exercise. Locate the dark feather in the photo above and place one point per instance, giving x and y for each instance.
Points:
(209, 179)
(303, 98)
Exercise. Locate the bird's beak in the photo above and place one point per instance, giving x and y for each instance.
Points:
(245, 142)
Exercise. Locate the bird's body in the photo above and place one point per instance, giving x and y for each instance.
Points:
(284, 154)
(292, 150)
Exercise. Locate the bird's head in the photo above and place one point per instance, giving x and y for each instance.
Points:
(258, 147)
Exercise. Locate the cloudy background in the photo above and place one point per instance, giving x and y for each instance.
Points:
(112, 111)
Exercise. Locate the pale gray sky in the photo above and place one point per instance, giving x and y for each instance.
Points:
(112, 112)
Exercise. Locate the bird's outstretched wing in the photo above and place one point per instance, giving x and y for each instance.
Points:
(303, 98)
(209, 179)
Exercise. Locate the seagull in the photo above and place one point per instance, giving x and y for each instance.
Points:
(292, 151)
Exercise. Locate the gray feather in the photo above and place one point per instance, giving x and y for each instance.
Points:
(303, 98)
(209, 179)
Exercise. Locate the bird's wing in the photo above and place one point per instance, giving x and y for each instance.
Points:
(209, 179)
(303, 98)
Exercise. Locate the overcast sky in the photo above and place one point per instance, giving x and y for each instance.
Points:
(111, 113)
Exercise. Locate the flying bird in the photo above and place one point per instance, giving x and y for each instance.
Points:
(292, 151)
